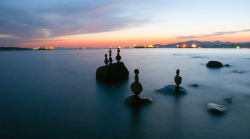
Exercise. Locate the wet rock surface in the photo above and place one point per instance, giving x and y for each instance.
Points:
(170, 90)
(215, 108)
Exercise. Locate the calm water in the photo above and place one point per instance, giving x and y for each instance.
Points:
(54, 94)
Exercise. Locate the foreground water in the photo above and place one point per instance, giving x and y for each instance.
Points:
(54, 94)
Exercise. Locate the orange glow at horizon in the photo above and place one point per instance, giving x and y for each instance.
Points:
(115, 39)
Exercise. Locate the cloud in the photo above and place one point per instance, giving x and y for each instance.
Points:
(212, 34)
(40, 20)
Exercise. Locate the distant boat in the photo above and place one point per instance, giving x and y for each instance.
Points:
(44, 48)
(81, 48)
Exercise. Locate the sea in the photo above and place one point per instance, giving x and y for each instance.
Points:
(55, 94)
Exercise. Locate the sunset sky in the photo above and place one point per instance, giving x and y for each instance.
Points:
(105, 23)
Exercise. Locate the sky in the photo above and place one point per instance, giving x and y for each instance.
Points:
(111, 23)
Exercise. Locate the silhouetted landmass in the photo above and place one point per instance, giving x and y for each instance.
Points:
(207, 44)
(13, 48)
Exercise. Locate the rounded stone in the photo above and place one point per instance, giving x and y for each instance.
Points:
(136, 71)
(214, 64)
(215, 108)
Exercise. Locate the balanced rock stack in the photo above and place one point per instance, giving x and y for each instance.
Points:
(174, 89)
(112, 71)
(136, 87)
(177, 80)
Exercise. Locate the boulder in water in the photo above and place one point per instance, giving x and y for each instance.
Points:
(215, 108)
(112, 72)
(214, 64)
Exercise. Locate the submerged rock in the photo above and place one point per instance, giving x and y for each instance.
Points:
(228, 99)
(194, 85)
(112, 72)
(214, 64)
(240, 72)
(135, 101)
(215, 108)
(171, 90)
(198, 57)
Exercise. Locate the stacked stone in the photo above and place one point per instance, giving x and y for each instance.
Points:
(136, 87)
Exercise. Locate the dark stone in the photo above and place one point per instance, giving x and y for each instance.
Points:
(227, 65)
(136, 101)
(215, 108)
(214, 64)
(228, 99)
(171, 90)
(112, 72)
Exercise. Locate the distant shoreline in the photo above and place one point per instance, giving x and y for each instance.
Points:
(13, 48)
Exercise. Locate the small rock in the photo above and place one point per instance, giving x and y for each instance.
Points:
(214, 64)
(228, 99)
(215, 108)
(227, 65)
(195, 85)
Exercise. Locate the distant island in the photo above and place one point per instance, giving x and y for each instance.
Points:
(205, 44)
(13, 48)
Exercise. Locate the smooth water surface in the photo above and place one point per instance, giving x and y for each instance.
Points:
(54, 94)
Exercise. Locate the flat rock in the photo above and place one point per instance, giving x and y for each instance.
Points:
(214, 64)
(170, 89)
(240, 72)
(113, 72)
(227, 65)
(215, 108)
(135, 101)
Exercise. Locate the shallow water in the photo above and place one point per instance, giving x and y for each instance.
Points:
(54, 94)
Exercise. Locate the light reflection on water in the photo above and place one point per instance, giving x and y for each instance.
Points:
(55, 94)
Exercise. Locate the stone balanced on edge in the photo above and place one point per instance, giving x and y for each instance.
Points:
(136, 87)
(112, 71)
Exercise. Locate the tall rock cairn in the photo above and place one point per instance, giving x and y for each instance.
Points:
(110, 58)
(136, 87)
(106, 61)
(118, 57)
(177, 80)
